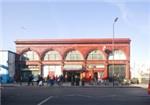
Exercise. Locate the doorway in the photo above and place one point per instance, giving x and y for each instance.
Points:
(70, 75)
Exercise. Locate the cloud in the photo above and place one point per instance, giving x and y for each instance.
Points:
(138, 21)
(124, 12)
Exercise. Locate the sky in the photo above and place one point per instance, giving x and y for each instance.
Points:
(46, 19)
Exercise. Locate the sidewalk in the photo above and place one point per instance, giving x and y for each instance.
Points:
(145, 86)
(87, 85)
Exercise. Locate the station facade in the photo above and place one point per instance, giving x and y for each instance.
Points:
(89, 58)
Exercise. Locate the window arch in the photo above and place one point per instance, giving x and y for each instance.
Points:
(118, 55)
(29, 56)
(95, 55)
(74, 55)
(52, 55)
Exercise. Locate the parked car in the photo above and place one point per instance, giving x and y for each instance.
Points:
(126, 82)
(134, 81)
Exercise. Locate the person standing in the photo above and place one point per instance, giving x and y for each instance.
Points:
(48, 80)
(77, 79)
(37, 82)
(72, 80)
(30, 78)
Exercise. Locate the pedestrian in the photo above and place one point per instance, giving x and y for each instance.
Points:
(82, 78)
(60, 80)
(48, 80)
(41, 81)
(38, 79)
(66, 77)
(20, 80)
(83, 81)
(77, 79)
(72, 80)
(52, 79)
(30, 79)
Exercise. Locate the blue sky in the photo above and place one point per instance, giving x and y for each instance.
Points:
(33, 19)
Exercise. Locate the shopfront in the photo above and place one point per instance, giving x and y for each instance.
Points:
(97, 71)
(28, 70)
(117, 71)
(89, 58)
(52, 70)
(71, 71)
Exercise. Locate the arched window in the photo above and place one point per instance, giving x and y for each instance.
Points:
(29, 56)
(74, 55)
(95, 55)
(52, 55)
(118, 55)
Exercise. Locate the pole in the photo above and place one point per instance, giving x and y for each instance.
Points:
(149, 83)
(149, 75)
(113, 44)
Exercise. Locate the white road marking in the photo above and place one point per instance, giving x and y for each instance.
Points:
(78, 95)
(88, 96)
(45, 100)
(113, 95)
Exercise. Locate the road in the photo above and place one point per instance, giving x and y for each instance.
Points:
(29, 95)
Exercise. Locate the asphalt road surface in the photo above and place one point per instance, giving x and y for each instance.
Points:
(28, 95)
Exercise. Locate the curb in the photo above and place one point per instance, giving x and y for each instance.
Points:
(68, 86)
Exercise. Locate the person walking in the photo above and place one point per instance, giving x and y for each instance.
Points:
(41, 81)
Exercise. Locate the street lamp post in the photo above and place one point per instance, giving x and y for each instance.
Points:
(113, 44)
(149, 83)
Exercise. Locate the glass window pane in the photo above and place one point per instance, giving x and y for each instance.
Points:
(118, 70)
(95, 55)
(74, 55)
(29, 56)
(118, 55)
(52, 55)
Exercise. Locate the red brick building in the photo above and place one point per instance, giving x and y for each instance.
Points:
(82, 57)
